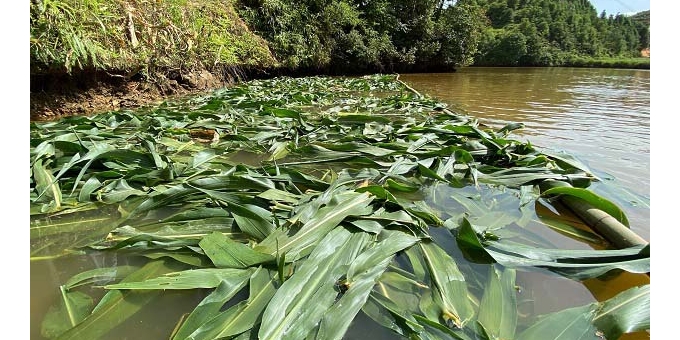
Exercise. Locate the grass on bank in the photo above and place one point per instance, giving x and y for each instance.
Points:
(128, 37)
(613, 62)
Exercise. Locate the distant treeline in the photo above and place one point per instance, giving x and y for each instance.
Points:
(129, 37)
(437, 34)
(552, 33)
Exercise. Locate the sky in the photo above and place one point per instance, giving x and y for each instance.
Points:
(620, 6)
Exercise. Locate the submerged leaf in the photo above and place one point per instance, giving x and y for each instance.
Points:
(576, 264)
(117, 306)
(627, 312)
(71, 310)
(569, 324)
(498, 308)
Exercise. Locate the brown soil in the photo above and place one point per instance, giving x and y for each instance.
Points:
(56, 96)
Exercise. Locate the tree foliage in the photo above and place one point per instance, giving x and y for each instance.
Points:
(555, 32)
(368, 35)
(313, 36)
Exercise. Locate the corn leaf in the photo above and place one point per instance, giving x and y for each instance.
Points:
(226, 253)
(243, 316)
(300, 302)
(188, 279)
(211, 305)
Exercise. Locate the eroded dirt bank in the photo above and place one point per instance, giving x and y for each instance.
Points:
(56, 96)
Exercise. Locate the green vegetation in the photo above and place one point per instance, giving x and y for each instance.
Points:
(633, 63)
(147, 37)
(316, 199)
(558, 33)
(359, 36)
(311, 36)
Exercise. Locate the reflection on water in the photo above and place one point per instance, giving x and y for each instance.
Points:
(599, 115)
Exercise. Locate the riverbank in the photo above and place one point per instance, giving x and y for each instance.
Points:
(66, 95)
(641, 63)
(100, 55)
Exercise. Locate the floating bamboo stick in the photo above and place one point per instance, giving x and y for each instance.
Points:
(601, 222)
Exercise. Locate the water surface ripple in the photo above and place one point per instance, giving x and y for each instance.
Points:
(601, 116)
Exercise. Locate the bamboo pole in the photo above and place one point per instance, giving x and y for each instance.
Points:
(601, 222)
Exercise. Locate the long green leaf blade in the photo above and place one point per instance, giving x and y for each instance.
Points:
(569, 324)
(449, 284)
(498, 308)
(300, 302)
(117, 306)
(210, 306)
(628, 311)
(323, 220)
(362, 275)
(226, 253)
(244, 315)
(592, 198)
(188, 279)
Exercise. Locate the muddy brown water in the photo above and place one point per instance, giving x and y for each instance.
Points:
(601, 116)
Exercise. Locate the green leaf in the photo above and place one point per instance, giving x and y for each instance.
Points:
(498, 308)
(71, 310)
(117, 306)
(575, 264)
(188, 279)
(451, 294)
(387, 313)
(98, 275)
(569, 324)
(46, 182)
(243, 316)
(301, 301)
(362, 275)
(252, 220)
(211, 305)
(90, 221)
(88, 188)
(628, 311)
(118, 191)
(592, 198)
(226, 253)
(318, 226)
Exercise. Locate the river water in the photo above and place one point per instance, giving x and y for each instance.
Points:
(600, 116)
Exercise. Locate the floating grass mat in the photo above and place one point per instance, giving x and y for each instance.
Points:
(297, 204)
